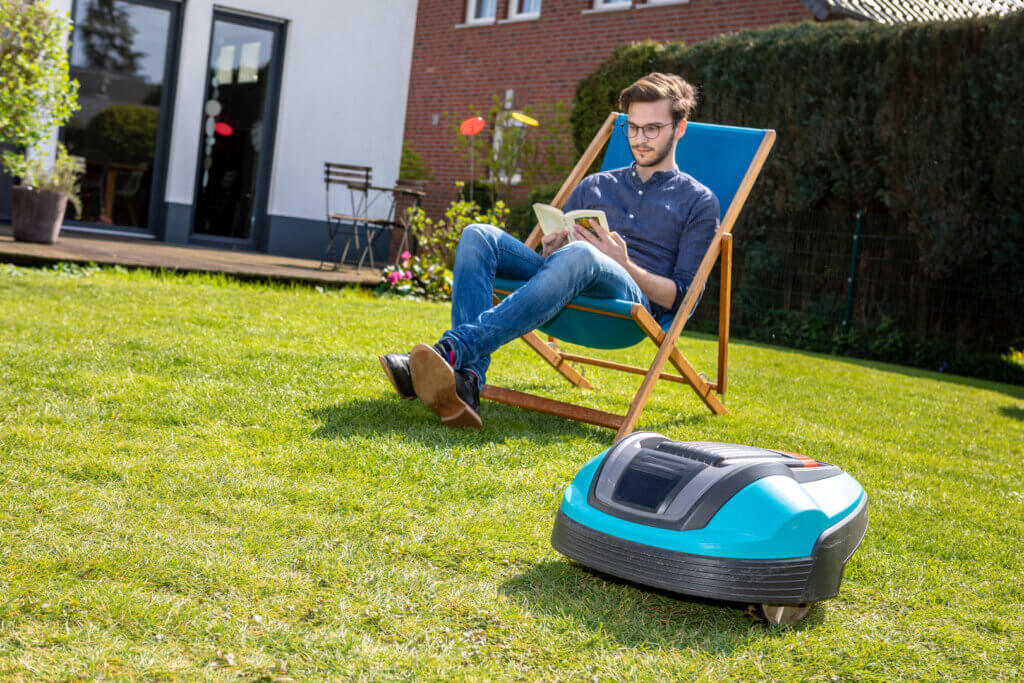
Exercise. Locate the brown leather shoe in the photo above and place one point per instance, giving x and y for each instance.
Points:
(452, 394)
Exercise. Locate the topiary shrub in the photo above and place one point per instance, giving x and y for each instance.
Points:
(125, 133)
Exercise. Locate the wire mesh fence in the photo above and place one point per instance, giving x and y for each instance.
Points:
(857, 271)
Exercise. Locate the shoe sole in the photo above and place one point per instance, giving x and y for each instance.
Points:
(391, 378)
(434, 382)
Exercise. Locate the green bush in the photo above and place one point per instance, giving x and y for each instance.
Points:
(36, 92)
(125, 133)
(428, 274)
(483, 193)
(411, 166)
(418, 277)
(521, 218)
(923, 122)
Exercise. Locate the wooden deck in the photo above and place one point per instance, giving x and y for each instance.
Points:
(103, 250)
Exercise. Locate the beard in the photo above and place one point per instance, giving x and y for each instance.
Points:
(657, 155)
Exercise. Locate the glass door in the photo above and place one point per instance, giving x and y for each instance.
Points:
(242, 87)
(121, 56)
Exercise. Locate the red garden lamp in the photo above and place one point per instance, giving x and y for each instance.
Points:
(469, 128)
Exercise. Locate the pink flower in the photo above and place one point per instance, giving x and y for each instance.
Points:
(408, 275)
(394, 277)
(406, 256)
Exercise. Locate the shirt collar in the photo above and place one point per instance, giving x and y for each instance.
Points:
(657, 178)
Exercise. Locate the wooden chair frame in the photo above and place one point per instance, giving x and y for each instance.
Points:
(709, 392)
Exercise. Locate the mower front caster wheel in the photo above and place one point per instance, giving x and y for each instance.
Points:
(778, 615)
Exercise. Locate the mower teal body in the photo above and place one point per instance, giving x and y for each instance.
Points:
(714, 520)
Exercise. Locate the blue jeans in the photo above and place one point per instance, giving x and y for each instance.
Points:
(485, 252)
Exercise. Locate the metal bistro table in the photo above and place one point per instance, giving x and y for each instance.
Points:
(363, 195)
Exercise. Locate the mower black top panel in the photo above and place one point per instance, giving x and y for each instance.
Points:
(680, 485)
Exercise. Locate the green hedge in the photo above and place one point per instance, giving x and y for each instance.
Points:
(924, 122)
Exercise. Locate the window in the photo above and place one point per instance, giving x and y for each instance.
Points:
(523, 9)
(652, 3)
(480, 11)
(506, 165)
(119, 55)
(612, 4)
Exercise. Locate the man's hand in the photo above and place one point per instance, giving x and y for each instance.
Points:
(553, 242)
(659, 290)
(610, 244)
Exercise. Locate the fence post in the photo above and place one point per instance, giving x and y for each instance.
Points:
(851, 282)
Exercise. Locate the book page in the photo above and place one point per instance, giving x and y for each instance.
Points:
(552, 220)
(581, 215)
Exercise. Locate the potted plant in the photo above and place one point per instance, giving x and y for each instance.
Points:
(37, 95)
(39, 202)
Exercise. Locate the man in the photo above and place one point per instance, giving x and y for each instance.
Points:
(662, 220)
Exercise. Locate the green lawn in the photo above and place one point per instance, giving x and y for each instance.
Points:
(203, 478)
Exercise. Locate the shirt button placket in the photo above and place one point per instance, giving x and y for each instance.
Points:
(637, 209)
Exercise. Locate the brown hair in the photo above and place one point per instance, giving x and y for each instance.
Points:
(658, 86)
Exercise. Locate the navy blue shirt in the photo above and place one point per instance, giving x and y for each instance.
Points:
(667, 222)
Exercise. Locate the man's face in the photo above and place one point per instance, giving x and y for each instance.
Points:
(651, 152)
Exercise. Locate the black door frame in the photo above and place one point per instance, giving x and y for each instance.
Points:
(259, 233)
(157, 217)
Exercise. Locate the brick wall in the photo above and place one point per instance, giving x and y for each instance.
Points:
(458, 68)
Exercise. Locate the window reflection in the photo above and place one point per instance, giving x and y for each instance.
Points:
(118, 54)
(527, 6)
(237, 97)
(483, 9)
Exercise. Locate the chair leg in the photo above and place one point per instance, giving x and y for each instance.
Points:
(371, 237)
(367, 250)
(554, 358)
(657, 335)
(348, 243)
(724, 308)
(331, 250)
(403, 245)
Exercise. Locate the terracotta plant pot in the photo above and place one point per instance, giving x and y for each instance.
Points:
(36, 215)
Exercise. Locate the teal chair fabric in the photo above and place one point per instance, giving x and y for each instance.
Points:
(614, 330)
(717, 156)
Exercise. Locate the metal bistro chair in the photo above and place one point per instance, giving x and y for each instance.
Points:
(127, 193)
(405, 196)
(358, 181)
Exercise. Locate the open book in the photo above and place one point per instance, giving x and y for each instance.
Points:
(552, 220)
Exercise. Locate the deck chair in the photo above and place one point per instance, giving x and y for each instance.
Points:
(727, 160)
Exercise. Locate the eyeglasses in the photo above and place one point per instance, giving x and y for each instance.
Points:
(651, 130)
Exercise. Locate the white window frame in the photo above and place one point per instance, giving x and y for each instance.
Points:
(472, 20)
(609, 6)
(660, 3)
(515, 15)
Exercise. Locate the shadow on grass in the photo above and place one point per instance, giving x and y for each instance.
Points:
(371, 417)
(636, 616)
(658, 415)
(1014, 412)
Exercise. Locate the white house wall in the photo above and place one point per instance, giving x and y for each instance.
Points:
(343, 93)
(343, 90)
